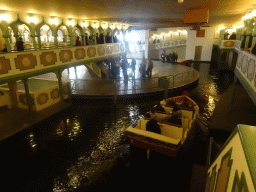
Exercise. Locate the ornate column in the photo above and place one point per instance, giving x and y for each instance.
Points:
(249, 25)
(28, 96)
(55, 42)
(34, 41)
(71, 40)
(39, 41)
(59, 76)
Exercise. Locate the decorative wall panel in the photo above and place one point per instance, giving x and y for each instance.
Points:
(26, 61)
(101, 50)
(65, 56)
(4, 65)
(48, 58)
(91, 52)
(80, 53)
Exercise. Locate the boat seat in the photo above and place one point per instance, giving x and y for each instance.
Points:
(166, 130)
(186, 123)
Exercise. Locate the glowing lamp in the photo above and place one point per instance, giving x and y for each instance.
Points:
(32, 19)
(119, 27)
(248, 16)
(253, 13)
(95, 25)
(4, 17)
(105, 26)
(180, 1)
(112, 26)
(70, 22)
(85, 24)
(54, 21)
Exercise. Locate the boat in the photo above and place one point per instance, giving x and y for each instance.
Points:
(172, 135)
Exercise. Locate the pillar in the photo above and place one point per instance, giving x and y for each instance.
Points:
(39, 41)
(59, 76)
(13, 94)
(146, 43)
(71, 40)
(7, 42)
(55, 42)
(33, 37)
(28, 96)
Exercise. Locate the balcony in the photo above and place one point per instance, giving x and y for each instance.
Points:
(17, 65)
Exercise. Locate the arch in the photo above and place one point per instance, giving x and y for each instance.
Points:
(40, 25)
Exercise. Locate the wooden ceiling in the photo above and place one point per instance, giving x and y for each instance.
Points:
(146, 13)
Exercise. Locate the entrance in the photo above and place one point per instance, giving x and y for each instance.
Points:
(198, 52)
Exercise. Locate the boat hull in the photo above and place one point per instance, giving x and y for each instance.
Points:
(145, 144)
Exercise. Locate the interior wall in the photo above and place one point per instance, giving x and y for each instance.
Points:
(206, 42)
(156, 54)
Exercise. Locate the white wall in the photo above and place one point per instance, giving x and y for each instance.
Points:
(206, 43)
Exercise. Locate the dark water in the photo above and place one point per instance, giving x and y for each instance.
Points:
(84, 149)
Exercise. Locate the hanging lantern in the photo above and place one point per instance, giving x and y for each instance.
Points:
(180, 1)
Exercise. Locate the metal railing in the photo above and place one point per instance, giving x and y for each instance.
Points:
(129, 86)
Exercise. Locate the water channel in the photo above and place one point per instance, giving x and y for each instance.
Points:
(84, 148)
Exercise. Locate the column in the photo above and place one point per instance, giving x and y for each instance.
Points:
(7, 42)
(146, 43)
(34, 41)
(13, 95)
(59, 76)
(39, 41)
(55, 42)
(71, 40)
(28, 96)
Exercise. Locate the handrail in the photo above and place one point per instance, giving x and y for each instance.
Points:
(115, 86)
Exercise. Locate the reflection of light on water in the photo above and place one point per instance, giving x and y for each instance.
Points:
(73, 128)
(102, 155)
(31, 139)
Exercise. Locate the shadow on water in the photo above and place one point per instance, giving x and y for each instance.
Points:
(85, 148)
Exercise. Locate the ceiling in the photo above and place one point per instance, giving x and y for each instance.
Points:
(143, 13)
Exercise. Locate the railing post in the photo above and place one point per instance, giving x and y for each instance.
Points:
(59, 76)
(28, 96)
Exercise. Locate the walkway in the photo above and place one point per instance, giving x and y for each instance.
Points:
(178, 76)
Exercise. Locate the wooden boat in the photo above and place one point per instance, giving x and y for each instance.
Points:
(172, 136)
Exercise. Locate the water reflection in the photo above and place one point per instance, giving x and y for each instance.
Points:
(104, 152)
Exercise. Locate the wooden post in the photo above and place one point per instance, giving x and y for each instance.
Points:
(28, 96)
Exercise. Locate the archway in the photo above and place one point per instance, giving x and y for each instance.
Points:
(23, 30)
(63, 36)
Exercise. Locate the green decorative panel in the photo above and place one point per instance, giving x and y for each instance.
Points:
(55, 93)
(91, 51)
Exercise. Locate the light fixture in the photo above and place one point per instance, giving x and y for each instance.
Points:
(112, 26)
(221, 28)
(243, 18)
(253, 14)
(4, 17)
(105, 26)
(54, 21)
(32, 19)
(180, 1)
(248, 16)
(84, 24)
(119, 27)
(95, 25)
(239, 26)
(70, 22)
